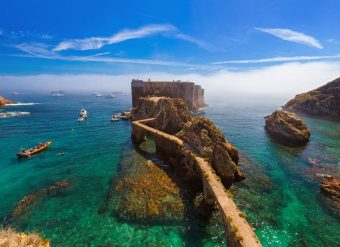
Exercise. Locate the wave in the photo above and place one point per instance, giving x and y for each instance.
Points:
(21, 104)
(13, 114)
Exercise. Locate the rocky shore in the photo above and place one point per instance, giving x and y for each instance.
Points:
(323, 101)
(287, 128)
(11, 238)
(4, 101)
(330, 188)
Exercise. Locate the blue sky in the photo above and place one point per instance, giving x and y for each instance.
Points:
(178, 37)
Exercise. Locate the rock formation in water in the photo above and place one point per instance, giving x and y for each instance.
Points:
(199, 134)
(208, 141)
(323, 101)
(4, 101)
(330, 187)
(147, 195)
(11, 238)
(33, 197)
(171, 114)
(287, 128)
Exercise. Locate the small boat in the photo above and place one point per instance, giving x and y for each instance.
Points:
(97, 94)
(82, 115)
(28, 152)
(58, 93)
(115, 118)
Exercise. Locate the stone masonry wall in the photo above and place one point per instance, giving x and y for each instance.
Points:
(192, 94)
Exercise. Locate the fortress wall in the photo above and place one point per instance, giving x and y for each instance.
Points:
(192, 94)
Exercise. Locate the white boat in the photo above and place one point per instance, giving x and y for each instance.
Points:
(97, 94)
(115, 117)
(82, 115)
(58, 93)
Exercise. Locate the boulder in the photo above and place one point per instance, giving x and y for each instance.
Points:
(323, 101)
(287, 127)
(10, 238)
(208, 141)
(330, 188)
(4, 101)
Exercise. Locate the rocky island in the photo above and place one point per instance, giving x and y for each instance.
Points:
(199, 155)
(323, 101)
(287, 127)
(4, 101)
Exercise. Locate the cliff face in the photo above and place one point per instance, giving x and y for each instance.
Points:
(200, 135)
(323, 101)
(4, 101)
(171, 114)
(287, 127)
(209, 142)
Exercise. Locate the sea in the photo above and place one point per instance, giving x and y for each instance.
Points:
(280, 196)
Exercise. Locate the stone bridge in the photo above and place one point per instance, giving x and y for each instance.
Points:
(238, 232)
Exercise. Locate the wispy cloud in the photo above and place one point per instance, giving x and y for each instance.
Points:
(127, 34)
(293, 36)
(38, 50)
(278, 59)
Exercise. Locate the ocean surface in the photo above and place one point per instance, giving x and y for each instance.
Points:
(280, 196)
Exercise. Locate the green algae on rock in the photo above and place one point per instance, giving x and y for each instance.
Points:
(33, 197)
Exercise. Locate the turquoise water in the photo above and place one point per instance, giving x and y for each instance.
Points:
(280, 196)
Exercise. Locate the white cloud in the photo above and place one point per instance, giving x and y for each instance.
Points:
(278, 59)
(293, 36)
(285, 79)
(38, 50)
(127, 34)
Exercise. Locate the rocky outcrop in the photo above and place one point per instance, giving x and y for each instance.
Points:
(208, 141)
(330, 187)
(148, 195)
(4, 101)
(33, 197)
(171, 114)
(323, 101)
(287, 128)
(11, 238)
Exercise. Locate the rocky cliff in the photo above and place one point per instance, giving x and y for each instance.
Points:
(330, 187)
(4, 101)
(323, 101)
(287, 127)
(171, 114)
(200, 135)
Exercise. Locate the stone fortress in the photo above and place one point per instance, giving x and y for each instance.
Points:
(193, 95)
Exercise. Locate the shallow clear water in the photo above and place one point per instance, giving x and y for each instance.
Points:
(280, 195)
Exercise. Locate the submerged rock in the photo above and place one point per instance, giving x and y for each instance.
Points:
(208, 141)
(330, 187)
(33, 197)
(149, 196)
(11, 238)
(287, 127)
(4, 101)
(323, 101)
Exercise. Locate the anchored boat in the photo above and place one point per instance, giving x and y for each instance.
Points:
(28, 152)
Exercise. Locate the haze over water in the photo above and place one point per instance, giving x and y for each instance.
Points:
(280, 195)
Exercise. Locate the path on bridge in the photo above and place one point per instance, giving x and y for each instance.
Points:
(236, 226)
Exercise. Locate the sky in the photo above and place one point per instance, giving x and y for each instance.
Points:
(265, 46)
